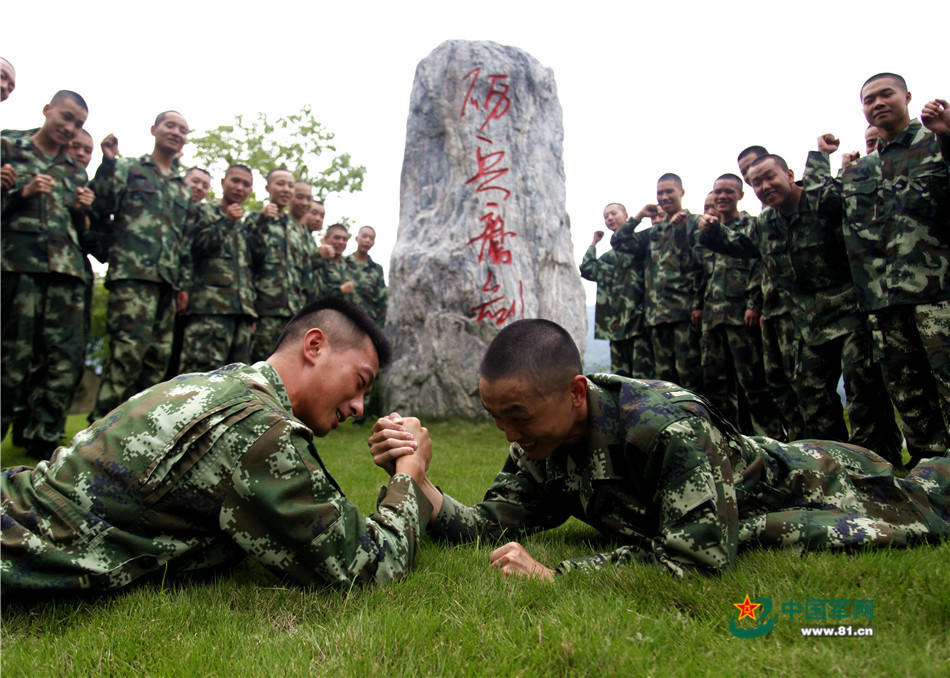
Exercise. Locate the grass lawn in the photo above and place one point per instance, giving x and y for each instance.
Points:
(454, 616)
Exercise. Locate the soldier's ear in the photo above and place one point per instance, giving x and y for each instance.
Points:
(314, 341)
(578, 389)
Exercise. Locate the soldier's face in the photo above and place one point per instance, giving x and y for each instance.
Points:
(614, 217)
(171, 132)
(772, 184)
(281, 187)
(81, 149)
(64, 119)
(7, 80)
(337, 240)
(709, 206)
(300, 202)
(335, 382)
(669, 196)
(199, 183)
(744, 163)
(236, 186)
(365, 240)
(885, 104)
(538, 423)
(726, 194)
(315, 217)
(871, 135)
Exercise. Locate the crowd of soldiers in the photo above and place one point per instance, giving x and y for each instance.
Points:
(230, 280)
(842, 275)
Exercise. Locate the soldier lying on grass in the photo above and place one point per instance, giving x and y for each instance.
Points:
(656, 468)
(203, 469)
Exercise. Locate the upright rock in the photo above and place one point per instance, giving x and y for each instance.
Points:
(484, 238)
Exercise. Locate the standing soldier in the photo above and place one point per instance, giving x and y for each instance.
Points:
(315, 215)
(300, 206)
(618, 316)
(369, 285)
(897, 208)
(142, 207)
(221, 310)
(334, 273)
(44, 275)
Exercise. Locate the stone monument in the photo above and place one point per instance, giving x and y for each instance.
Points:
(484, 238)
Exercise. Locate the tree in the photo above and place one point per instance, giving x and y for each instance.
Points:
(296, 142)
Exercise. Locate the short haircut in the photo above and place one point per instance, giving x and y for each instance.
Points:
(64, 94)
(758, 151)
(669, 176)
(301, 181)
(340, 227)
(618, 204)
(779, 160)
(344, 324)
(239, 167)
(729, 176)
(538, 350)
(369, 227)
(278, 169)
(198, 169)
(317, 202)
(878, 76)
(86, 132)
(161, 116)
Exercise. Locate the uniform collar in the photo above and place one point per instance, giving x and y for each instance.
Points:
(904, 138)
(267, 371)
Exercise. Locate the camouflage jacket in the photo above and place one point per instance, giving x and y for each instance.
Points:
(142, 215)
(332, 273)
(194, 473)
(673, 267)
(283, 264)
(731, 285)
(619, 277)
(221, 280)
(370, 293)
(42, 233)
(662, 474)
(803, 252)
(897, 212)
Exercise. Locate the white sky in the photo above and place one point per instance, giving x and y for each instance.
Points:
(671, 86)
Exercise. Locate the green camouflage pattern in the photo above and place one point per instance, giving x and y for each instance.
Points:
(42, 351)
(780, 340)
(332, 273)
(195, 473)
(677, 356)
(140, 320)
(41, 234)
(933, 324)
(730, 284)
(370, 292)
(266, 334)
(211, 341)
(283, 264)
(141, 216)
(664, 476)
(897, 207)
(618, 314)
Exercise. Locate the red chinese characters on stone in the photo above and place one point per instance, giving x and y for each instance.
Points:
(486, 170)
(496, 103)
(492, 238)
(499, 315)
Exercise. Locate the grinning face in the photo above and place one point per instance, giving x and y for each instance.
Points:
(81, 148)
(236, 186)
(280, 187)
(170, 133)
(539, 424)
(614, 216)
(301, 200)
(885, 104)
(669, 196)
(200, 183)
(726, 194)
(64, 120)
(772, 185)
(337, 239)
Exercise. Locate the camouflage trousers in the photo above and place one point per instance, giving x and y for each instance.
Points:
(140, 320)
(869, 410)
(933, 324)
(632, 357)
(43, 350)
(676, 354)
(211, 341)
(732, 362)
(265, 336)
(779, 350)
(900, 351)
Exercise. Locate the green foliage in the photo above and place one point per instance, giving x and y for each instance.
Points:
(298, 142)
(455, 616)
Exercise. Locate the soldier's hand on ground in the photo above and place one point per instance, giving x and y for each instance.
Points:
(751, 318)
(390, 440)
(348, 287)
(181, 301)
(110, 147)
(936, 116)
(696, 317)
(234, 212)
(8, 176)
(706, 221)
(513, 559)
(271, 210)
(648, 210)
(849, 157)
(828, 143)
(41, 183)
(84, 198)
(598, 236)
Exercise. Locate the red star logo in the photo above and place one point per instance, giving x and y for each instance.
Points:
(747, 608)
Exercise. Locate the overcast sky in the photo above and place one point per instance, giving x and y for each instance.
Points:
(678, 87)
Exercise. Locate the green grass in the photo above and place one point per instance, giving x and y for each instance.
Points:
(453, 615)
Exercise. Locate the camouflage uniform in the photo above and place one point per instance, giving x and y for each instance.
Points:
(195, 473)
(731, 351)
(43, 294)
(897, 208)
(618, 315)
(669, 479)
(673, 278)
(221, 307)
(370, 294)
(283, 276)
(779, 351)
(142, 215)
(804, 255)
